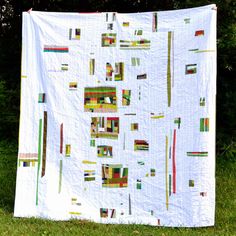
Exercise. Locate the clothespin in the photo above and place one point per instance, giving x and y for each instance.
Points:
(29, 11)
(214, 8)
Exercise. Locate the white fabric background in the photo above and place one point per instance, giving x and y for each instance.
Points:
(186, 206)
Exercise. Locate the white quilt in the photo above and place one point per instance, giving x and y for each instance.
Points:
(117, 117)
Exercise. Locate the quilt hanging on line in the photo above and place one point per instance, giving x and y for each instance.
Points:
(117, 119)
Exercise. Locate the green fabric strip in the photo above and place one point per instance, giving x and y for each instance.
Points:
(168, 69)
(60, 177)
(39, 157)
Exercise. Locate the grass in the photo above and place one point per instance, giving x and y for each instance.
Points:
(225, 209)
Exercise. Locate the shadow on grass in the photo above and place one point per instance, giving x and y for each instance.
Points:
(8, 164)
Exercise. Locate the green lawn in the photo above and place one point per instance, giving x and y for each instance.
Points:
(225, 209)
